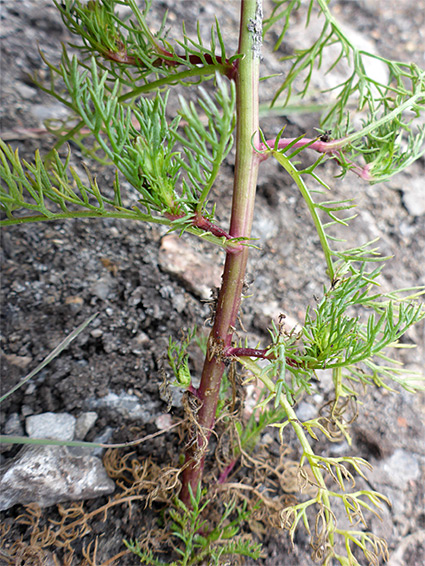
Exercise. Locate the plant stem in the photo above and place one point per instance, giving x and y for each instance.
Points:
(291, 169)
(244, 187)
(179, 77)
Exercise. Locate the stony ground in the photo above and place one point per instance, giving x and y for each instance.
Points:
(56, 275)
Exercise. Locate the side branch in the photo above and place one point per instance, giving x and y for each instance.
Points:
(199, 221)
(168, 59)
(332, 148)
(259, 353)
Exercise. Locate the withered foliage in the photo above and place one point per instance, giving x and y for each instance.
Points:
(70, 540)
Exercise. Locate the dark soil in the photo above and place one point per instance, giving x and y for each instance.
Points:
(54, 276)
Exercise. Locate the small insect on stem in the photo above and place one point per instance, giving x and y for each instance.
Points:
(326, 136)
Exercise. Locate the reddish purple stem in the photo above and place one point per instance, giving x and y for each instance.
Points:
(207, 226)
(247, 352)
(317, 144)
(193, 390)
(226, 472)
(256, 353)
(121, 56)
(332, 148)
(204, 224)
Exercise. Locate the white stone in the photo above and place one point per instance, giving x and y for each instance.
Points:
(414, 195)
(51, 425)
(47, 475)
(84, 423)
